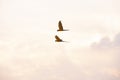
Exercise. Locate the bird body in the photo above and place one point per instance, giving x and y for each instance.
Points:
(58, 39)
(60, 27)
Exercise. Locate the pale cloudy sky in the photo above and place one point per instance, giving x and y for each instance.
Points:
(28, 50)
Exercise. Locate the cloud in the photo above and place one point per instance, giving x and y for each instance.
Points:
(30, 62)
(116, 41)
(108, 47)
(33, 61)
(106, 43)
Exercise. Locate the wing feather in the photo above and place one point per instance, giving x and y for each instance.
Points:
(57, 38)
(60, 25)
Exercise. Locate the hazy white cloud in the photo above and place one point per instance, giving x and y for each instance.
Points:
(106, 42)
(31, 60)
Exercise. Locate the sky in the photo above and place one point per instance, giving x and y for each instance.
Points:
(28, 50)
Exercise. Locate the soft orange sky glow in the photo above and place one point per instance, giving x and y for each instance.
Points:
(28, 50)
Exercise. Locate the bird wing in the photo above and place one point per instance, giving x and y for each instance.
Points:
(57, 38)
(60, 25)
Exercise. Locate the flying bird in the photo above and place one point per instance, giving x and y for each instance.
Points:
(60, 27)
(58, 39)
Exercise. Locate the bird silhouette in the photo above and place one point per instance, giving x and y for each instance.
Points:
(61, 27)
(58, 39)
